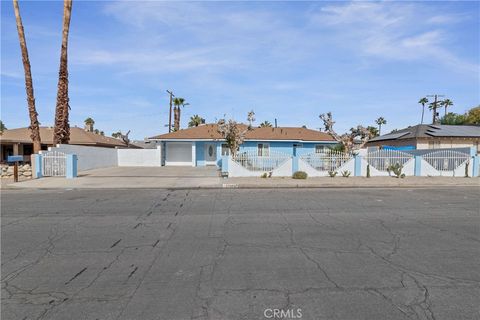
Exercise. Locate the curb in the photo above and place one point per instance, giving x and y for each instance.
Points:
(233, 186)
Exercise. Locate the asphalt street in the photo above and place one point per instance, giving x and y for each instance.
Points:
(241, 254)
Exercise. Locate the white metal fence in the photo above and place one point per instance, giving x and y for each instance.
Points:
(382, 159)
(328, 160)
(54, 164)
(446, 160)
(250, 160)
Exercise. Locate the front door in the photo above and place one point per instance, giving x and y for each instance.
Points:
(210, 154)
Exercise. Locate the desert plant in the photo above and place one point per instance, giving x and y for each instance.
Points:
(396, 169)
(332, 174)
(368, 171)
(300, 175)
(346, 174)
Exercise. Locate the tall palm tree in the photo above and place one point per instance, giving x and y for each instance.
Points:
(195, 121)
(177, 102)
(265, 124)
(380, 121)
(61, 132)
(447, 103)
(423, 102)
(32, 111)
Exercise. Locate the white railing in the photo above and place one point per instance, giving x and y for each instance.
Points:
(382, 159)
(446, 160)
(328, 160)
(250, 160)
(54, 164)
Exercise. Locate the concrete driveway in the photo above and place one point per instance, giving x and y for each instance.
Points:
(345, 254)
(156, 172)
(133, 177)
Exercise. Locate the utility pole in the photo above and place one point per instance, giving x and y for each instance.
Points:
(434, 108)
(170, 113)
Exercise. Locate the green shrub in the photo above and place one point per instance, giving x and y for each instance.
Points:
(300, 175)
(264, 175)
(346, 174)
(332, 174)
(397, 170)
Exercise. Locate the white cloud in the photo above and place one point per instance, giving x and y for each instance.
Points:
(392, 31)
(199, 40)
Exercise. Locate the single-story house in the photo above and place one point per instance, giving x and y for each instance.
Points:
(429, 136)
(204, 145)
(18, 141)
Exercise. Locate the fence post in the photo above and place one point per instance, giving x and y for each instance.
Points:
(71, 166)
(36, 165)
(294, 164)
(357, 172)
(225, 165)
(476, 166)
(418, 166)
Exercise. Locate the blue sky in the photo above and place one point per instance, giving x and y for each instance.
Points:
(285, 60)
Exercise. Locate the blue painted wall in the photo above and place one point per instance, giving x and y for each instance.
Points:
(277, 146)
(284, 147)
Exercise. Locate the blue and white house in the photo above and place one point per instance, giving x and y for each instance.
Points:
(204, 145)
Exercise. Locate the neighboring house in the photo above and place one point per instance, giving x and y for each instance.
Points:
(144, 144)
(204, 145)
(18, 141)
(427, 136)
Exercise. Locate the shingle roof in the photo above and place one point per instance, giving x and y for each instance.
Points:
(429, 131)
(77, 136)
(209, 131)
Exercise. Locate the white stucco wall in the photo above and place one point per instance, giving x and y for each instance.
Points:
(312, 172)
(90, 157)
(236, 170)
(139, 157)
(409, 168)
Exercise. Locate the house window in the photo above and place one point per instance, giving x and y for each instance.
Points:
(319, 148)
(225, 149)
(433, 144)
(263, 149)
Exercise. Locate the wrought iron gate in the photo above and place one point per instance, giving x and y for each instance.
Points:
(54, 164)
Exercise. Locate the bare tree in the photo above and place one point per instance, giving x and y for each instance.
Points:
(233, 134)
(32, 111)
(328, 124)
(61, 132)
(125, 138)
(347, 139)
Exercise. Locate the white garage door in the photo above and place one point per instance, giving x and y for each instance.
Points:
(179, 154)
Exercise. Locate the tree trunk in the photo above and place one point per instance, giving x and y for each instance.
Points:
(61, 133)
(176, 120)
(423, 112)
(32, 111)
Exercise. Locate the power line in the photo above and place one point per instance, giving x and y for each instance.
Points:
(170, 113)
(435, 106)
